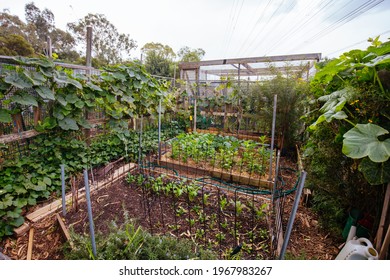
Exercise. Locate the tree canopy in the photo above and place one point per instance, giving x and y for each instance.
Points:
(108, 44)
(186, 54)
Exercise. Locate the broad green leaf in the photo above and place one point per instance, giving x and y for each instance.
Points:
(79, 104)
(61, 100)
(15, 213)
(383, 59)
(107, 77)
(119, 76)
(48, 123)
(24, 98)
(336, 100)
(40, 187)
(75, 83)
(62, 78)
(57, 113)
(17, 222)
(43, 62)
(362, 141)
(18, 80)
(84, 123)
(72, 98)
(376, 173)
(93, 86)
(68, 124)
(5, 116)
(20, 189)
(45, 92)
(129, 99)
(31, 201)
(35, 77)
(47, 181)
(20, 202)
(48, 72)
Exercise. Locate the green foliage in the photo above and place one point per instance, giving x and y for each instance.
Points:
(358, 97)
(349, 132)
(37, 177)
(225, 152)
(110, 46)
(187, 54)
(130, 242)
(362, 141)
(13, 44)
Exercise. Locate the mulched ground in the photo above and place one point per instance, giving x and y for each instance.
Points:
(157, 214)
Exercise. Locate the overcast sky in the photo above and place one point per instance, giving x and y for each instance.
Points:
(234, 28)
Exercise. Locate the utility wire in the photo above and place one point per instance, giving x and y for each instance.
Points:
(264, 26)
(350, 16)
(299, 25)
(234, 27)
(355, 44)
(342, 21)
(259, 20)
(288, 8)
(229, 23)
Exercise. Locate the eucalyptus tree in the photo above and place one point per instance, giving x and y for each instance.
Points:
(108, 44)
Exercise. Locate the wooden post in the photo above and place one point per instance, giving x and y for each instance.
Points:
(30, 244)
(196, 95)
(385, 246)
(49, 52)
(88, 55)
(379, 234)
(89, 48)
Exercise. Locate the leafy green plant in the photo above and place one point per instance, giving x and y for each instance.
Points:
(133, 243)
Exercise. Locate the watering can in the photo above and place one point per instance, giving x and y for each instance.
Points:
(358, 249)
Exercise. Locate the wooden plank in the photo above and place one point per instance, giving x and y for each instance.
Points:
(30, 244)
(385, 246)
(18, 136)
(292, 57)
(22, 229)
(228, 177)
(210, 186)
(385, 210)
(64, 230)
(57, 204)
(222, 133)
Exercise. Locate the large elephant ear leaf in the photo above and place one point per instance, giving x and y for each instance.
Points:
(376, 173)
(362, 141)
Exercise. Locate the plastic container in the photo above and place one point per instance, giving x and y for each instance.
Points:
(354, 216)
(358, 249)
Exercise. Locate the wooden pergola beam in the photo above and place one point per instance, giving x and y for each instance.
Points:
(293, 57)
(254, 71)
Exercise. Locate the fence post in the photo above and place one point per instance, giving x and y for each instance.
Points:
(272, 137)
(89, 206)
(293, 213)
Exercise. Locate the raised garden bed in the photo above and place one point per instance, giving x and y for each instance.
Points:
(227, 158)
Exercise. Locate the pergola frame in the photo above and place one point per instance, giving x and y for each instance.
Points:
(246, 67)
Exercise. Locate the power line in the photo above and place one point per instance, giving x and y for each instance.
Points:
(342, 21)
(300, 24)
(289, 8)
(264, 26)
(255, 24)
(355, 44)
(230, 21)
(234, 26)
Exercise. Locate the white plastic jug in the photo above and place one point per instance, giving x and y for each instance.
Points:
(358, 249)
